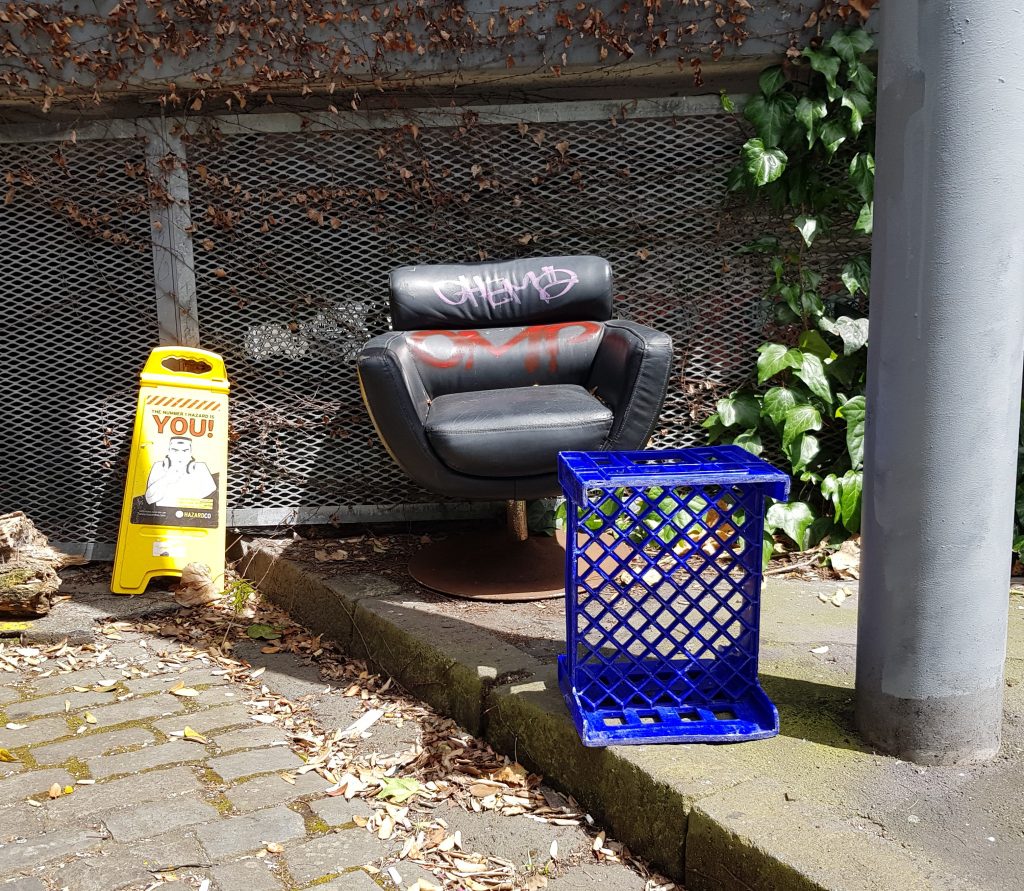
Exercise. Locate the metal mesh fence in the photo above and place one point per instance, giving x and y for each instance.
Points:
(297, 233)
(76, 288)
(295, 230)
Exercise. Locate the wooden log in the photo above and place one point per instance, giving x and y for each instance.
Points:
(28, 567)
(18, 532)
(27, 591)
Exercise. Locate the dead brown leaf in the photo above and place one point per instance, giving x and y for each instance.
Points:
(197, 587)
(864, 7)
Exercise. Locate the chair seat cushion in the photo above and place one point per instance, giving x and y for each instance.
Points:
(517, 431)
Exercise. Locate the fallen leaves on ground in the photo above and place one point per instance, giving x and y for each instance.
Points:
(399, 789)
(196, 587)
(846, 561)
(837, 597)
(194, 735)
(405, 790)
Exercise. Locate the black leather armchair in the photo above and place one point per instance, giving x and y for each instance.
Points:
(494, 368)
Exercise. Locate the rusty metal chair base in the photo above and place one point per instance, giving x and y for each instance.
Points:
(493, 566)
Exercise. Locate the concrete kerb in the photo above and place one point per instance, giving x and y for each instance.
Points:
(356, 613)
(751, 837)
(709, 824)
(528, 720)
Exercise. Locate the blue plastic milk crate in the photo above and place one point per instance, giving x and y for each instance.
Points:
(663, 587)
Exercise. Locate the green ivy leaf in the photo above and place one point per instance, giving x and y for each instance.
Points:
(774, 358)
(861, 76)
(259, 631)
(810, 278)
(737, 179)
(812, 373)
(854, 333)
(802, 451)
(850, 492)
(799, 419)
(772, 80)
(848, 45)
(813, 342)
(830, 489)
(818, 530)
(793, 518)
(808, 112)
(767, 547)
(740, 410)
(808, 227)
(862, 174)
(833, 135)
(853, 412)
(766, 244)
(856, 275)
(777, 401)
(860, 108)
(771, 116)
(865, 219)
(727, 103)
(793, 295)
(764, 165)
(751, 441)
(398, 789)
(827, 65)
(848, 370)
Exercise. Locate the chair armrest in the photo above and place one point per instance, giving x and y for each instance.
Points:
(397, 402)
(630, 375)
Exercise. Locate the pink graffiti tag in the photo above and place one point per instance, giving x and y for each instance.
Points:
(549, 284)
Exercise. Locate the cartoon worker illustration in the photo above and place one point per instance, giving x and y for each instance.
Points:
(178, 476)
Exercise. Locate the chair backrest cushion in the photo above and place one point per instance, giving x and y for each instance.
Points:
(535, 290)
(465, 360)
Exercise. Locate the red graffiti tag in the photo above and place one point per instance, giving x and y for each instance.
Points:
(463, 347)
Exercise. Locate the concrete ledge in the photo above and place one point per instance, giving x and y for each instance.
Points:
(367, 616)
(753, 837)
(529, 721)
(812, 808)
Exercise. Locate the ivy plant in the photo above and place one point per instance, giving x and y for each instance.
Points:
(809, 165)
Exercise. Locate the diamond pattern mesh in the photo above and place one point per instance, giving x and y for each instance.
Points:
(663, 595)
(298, 231)
(295, 233)
(666, 589)
(79, 318)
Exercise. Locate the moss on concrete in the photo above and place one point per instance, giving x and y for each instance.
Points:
(303, 596)
(719, 858)
(76, 768)
(649, 816)
(413, 660)
(315, 825)
(210, 778)
(221, 803)
(422, 668)
(25, 757)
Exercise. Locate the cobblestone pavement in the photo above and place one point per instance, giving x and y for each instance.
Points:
(225, 748)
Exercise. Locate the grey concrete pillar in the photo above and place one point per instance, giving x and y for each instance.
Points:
(944, 379)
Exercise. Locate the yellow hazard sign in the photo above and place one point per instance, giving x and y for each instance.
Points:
(174, 497)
